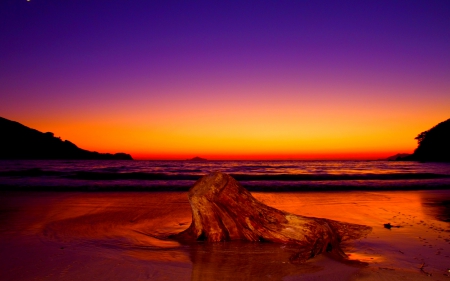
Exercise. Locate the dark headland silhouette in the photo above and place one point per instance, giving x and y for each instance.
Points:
(433, 145)
(20, 142)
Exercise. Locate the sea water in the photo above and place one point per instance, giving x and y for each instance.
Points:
(254, 175)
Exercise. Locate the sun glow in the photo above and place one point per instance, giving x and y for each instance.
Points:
(245, 133)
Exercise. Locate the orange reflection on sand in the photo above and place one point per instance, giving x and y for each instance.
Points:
(364, 257)
(159, 256)
(119, 231)
(127, 220)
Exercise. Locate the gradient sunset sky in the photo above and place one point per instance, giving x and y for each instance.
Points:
(228, 79)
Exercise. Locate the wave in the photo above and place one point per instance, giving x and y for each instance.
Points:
(132, 176)
(34, 172)
(337, 177)
(63, 185)
(195, 174)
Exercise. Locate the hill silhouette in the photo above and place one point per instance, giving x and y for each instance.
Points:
(20, 142)
(433, 144)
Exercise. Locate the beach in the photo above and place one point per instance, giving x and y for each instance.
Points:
(224, 140)
(122, 235)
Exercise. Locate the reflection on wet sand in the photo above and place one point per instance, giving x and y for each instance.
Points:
(84, 236)
(245, 261)
(132, 221)
(437, 204)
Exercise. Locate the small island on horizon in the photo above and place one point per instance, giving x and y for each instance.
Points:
(196, 158)
(21, 142)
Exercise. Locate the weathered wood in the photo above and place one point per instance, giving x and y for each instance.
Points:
(223, 210)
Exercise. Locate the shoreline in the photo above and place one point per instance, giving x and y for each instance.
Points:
(300, 188)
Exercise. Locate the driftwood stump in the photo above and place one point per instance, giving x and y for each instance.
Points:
(223, 210)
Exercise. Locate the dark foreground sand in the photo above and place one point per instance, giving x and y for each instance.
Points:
(114, 236)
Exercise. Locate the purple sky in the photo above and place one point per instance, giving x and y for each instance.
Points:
(77, 60)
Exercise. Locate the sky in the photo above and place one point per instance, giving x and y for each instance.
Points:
(228, 79)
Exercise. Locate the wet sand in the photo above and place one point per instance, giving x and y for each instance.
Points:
(118, 236)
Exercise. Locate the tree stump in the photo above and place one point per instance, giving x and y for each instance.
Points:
(223, 210)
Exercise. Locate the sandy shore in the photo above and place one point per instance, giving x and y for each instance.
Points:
(115, 236)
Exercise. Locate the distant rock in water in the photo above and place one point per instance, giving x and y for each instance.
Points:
(434, 144)
(21, 142)
(197, 159)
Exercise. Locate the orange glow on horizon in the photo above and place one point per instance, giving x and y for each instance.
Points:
(306, 157)
(360, 138)
(252, 126)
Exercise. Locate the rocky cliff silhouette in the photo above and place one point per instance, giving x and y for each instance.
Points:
(433, 145)
(20, 142)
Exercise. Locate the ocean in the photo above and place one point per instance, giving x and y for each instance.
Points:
(111, 175)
